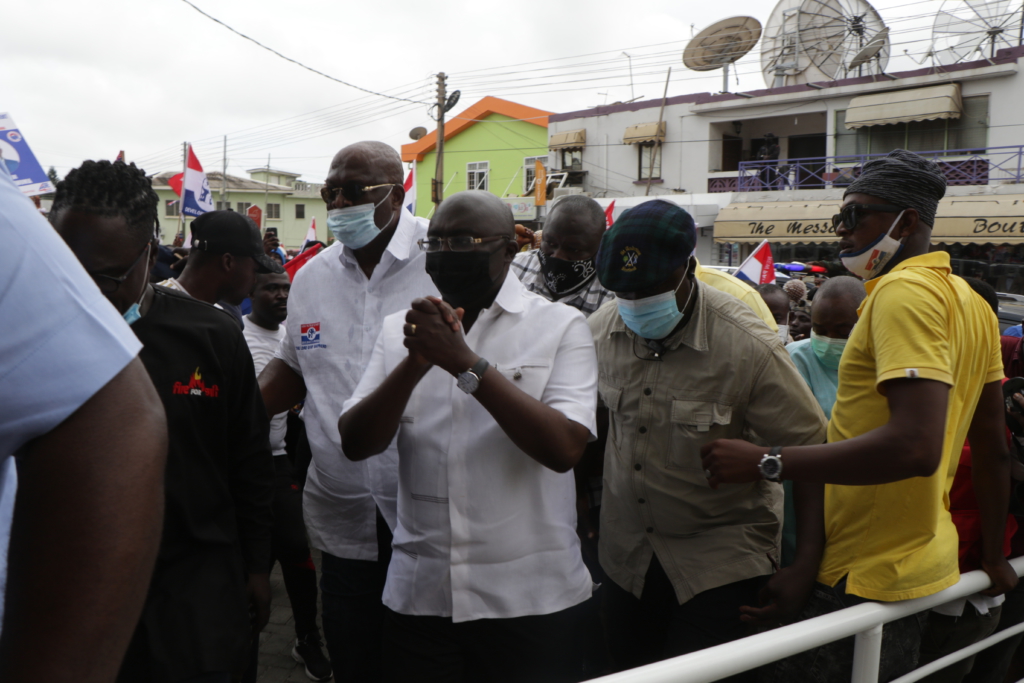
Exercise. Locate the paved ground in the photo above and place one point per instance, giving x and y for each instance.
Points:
(277, 639)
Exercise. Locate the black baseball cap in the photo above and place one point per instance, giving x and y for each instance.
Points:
(227, 232)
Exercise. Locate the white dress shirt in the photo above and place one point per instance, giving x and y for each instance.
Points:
(263, 344)
(484, 530)
(334, 316)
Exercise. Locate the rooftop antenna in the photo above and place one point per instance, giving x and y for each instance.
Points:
(631, 93)
(721, 44)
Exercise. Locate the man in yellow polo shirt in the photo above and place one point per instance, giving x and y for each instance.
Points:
(730, 284)
(919, 374)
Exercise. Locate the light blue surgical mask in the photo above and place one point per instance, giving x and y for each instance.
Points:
(134, 313)
(654, 317)
(354, 226)
(828, 350)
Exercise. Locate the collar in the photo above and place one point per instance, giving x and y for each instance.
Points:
(694, 334)
(510, 296)
(401, 244)
(938, 260)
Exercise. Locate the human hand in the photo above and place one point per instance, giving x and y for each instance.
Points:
(257, 591)
(524, 236)
(433, 334)
(782, 598)
(1004, 579)
(731, 461)
(270, 243)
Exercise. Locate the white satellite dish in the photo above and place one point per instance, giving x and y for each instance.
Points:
(815, 40)
(966, 30)
(417, 132)
(722, 44)
(873, 50)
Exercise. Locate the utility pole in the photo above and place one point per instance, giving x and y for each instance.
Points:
(656, 148)
(181, 198)
(437, 187)
(224, 177)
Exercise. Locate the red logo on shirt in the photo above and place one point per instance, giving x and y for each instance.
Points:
(196, 387)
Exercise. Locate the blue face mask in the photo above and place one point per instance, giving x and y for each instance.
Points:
(828, 350)
(354, 226)
(654, 317)
(133, 313)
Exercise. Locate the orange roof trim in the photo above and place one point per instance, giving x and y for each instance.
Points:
(415, 151)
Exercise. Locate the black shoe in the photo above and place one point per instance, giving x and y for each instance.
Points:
(307, 651)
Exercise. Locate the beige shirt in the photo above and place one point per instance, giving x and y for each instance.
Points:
(723, 375)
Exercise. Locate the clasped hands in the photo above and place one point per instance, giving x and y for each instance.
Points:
(433, 335)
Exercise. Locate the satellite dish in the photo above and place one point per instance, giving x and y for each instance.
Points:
(869, 51)
(417, 132)
(965, 30)
(815, 40)
(721, 44)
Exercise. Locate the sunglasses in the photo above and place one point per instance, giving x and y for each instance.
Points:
(353, 192)
(109, 284)
(459, 243)
(851, 214)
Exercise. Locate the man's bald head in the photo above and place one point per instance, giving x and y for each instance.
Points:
(476, 213)
(382, 158)
(834, 312)
(843, 287)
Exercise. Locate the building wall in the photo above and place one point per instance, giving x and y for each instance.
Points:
(499, 140)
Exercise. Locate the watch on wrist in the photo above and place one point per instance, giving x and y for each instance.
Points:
(770, 466)
(469, 381)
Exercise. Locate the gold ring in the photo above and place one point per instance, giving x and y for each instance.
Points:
(412, 329)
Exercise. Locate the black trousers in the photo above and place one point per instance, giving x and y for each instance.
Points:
(657, 627)
(291, 549)
(538, 649)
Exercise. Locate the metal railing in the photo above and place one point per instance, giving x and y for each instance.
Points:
(992, 165)
(865, 621)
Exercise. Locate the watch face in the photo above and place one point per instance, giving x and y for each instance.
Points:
(468, 382)
(771, 467)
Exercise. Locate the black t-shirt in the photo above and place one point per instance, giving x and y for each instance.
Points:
(218, 486)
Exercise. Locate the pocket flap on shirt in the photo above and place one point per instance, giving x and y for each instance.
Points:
(610, 396)
(701, 414)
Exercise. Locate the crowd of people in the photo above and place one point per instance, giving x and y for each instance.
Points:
(517, 464)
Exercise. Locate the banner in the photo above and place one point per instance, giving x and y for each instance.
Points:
(28, 175)
(540, 183)
(410, 190)
(256, 214)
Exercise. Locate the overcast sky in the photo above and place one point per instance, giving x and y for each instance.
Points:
(86, 79)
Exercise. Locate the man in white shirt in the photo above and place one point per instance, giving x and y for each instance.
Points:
(263, 333)
(337, 304)
(488, 580)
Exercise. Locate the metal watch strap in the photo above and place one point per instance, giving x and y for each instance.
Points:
(479, 368)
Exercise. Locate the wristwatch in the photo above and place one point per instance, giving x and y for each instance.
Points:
(770, 466)
(469, 381)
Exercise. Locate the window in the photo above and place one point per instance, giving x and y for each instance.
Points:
(969, 132)
(530, 171)
(646, 150)
(300, 210)
(242, 207)
(572, 159)
(172, 209)
(221, 206)
(273, 211)
(476, 175)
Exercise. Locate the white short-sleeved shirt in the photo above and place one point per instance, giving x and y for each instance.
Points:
(62, 340)
(263, 344)
(484, 530)
(334, 316)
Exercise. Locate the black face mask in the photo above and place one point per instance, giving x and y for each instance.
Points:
(563, 277)
(462, 277)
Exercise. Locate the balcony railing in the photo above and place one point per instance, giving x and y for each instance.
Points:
(990, 166)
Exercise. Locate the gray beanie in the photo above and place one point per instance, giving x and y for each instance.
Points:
(904, 179)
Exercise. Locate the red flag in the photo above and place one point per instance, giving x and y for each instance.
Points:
(293, 266)
(608, 214)
(175, 181)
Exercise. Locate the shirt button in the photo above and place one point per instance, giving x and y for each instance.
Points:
(637, 467)
(643, 430)
(640, 500)
(647, 392)
(650, 529)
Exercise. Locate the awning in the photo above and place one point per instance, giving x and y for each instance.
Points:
(645, 132)
(900, 106)
(570, 139)
(995, 219)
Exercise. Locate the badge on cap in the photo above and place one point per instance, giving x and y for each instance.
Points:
(630, 256)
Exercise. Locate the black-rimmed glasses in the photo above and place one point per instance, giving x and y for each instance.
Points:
(351, 191)
(108, 284)
(851, 214)
(457, 243)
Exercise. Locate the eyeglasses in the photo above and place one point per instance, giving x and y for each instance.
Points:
(851, 214)
(351, 191)
(457, 243)
(108, 284)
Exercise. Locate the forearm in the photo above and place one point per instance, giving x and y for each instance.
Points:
(369, 427)
(543, 433)
(877, 457)
(281, 387)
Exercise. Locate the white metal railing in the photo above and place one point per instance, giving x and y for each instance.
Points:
(864, 621)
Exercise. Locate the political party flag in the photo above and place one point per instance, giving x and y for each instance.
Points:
(193, 188)
(608, 219)
(759, 267)
(120, 157)
(410, 191)
(310, 234)
(302, 259)
(16, 155)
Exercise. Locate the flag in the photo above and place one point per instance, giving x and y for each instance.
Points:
(302, 259)
(608, 219)
(410, 191)
(310, 234)
(759, 267)
(120, 157)
(197, 198)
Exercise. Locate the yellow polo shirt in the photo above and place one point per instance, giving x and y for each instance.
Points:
(897, 541)
(731, 284)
